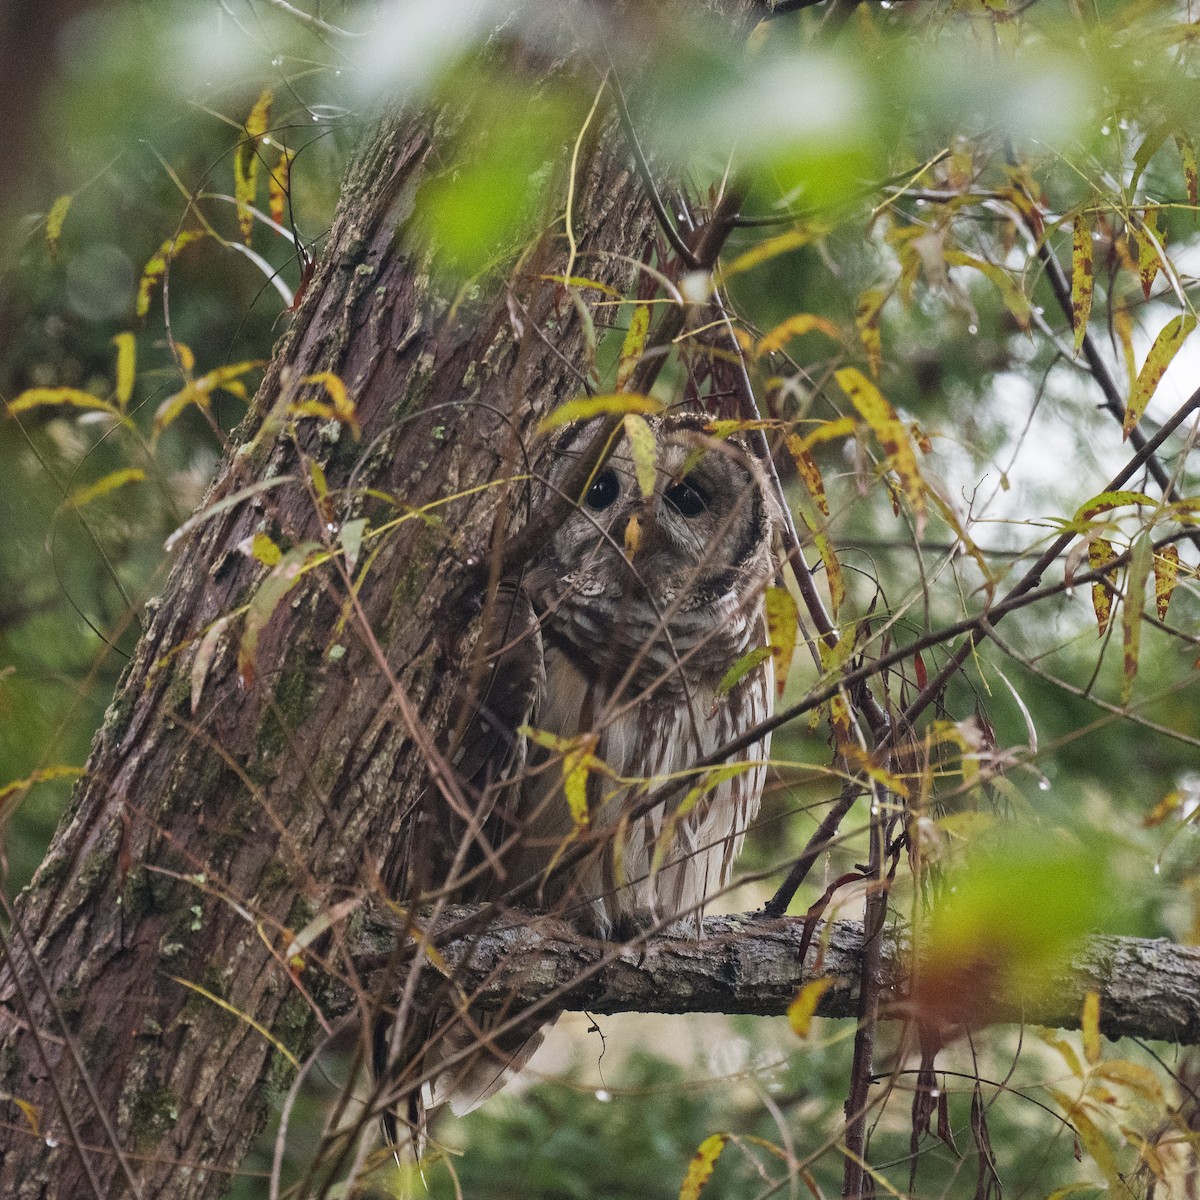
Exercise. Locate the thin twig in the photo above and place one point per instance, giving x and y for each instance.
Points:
(311, 22)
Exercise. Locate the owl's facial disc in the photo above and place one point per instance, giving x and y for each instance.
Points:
(702, 534)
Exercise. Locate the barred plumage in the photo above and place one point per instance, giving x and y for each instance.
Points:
(633, 615)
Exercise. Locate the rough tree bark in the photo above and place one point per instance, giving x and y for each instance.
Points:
(147, 982)
(197, 840)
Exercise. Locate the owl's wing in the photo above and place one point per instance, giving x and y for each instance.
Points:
(504, 685)
(500, 692)
(503, 690)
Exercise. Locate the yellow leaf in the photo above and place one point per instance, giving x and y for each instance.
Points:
(41, 397)
(1166, 575)
(262, 1030)
(1100, 554)
(892, 436)
(343, 407)
(587, 407)
(54, 221)
(1131, 612)
(866, 321)
(1014, 299)
(1092, 1139)
(109, 483)
(794, 239)
(810, 474)
(1166, 346)
(265, 550)
(826, 431)
(245, 163)
(582, 282)
(725, 429)
(156, 265)
(198, 392)
(126, 346)
(711, 779)
(796, 326)
(700, 1169)
(1131, 1075)
(803, 1008)
(28, 1111)
(1123, 328)
(1187, 158)
(576, 767)
(1090, 1027)
(834, 579)
(1082, 278)
(194, 392)
(1106, 501)
(634, 344)
(1170, 804)
(320, 484)
(783, 626)
(1065, 1049)
(42, 775)
(1148, 239)
(642, 450)
(278, 183)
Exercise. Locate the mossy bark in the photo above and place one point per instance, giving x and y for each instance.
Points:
(147, 958)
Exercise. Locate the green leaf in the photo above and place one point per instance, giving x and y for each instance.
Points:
(643, 451)
(634, 345)
(352, 539)
(54, 221)
(1105, 501)
(742, 668)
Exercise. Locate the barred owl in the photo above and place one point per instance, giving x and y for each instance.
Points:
(622, 628)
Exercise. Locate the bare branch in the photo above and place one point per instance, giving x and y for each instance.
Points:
(740, 964)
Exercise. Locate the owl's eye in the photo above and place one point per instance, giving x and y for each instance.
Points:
(606, 487)
(686, 498)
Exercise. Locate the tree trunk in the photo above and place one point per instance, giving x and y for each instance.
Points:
(146, 982)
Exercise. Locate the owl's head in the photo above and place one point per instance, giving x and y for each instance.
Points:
(700, 540)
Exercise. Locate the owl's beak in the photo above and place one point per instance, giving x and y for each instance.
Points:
(642, 535)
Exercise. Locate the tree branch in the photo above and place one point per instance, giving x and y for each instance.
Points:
(740, 964)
